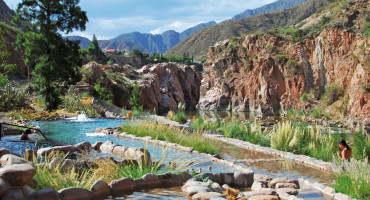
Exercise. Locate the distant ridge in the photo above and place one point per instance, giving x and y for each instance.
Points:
(145, 42)
(6, 14)
(197, 45)
(278, 5)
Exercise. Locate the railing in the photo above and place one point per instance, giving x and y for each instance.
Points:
(1, 126)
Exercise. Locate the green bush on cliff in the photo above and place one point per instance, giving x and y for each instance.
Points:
(180, 117)
(12, 98)
(332, 94)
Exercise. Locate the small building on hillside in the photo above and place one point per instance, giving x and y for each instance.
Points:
(110, 51)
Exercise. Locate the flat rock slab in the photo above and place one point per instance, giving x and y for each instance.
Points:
(192, 190)
(206, 195)
(17, 175)
(290, 191)
(259, 193)
(264, 197)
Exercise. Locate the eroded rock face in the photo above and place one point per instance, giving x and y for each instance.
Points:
(267, 74)
(166, 85)
(163, 86)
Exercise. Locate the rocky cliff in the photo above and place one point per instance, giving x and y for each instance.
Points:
(267, 73)
(163, 86)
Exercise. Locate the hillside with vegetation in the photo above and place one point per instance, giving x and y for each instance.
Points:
(322, 64)
(277, 5)
(197, 45)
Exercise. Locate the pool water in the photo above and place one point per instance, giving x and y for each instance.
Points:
(72, 132)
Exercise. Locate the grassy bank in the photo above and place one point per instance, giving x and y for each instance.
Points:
(353, 178)
(250, 132)
(290, 136)
(172, 134)
(59, 174)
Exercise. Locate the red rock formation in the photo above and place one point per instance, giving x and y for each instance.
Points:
(165, 85)
(162, 86)
(265, 73)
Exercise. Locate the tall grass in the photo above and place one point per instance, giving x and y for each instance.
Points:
(301, 139)
(88, 170)
(172, 134)
(361, 147)
(232, 128)
(353, 178)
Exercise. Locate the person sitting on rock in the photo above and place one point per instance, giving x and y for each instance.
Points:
(346, 154)
(25, 134)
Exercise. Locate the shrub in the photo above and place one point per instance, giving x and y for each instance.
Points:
(317, 112)
(12, 98)
(72, 103)
(361, 147)
(180, 117)
(170, 115)
(331, 94)
(33, 115)
(135, 99)
(102, 92)
(304, 97)
(353, 178)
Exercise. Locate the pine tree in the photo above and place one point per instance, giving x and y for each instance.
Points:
(56, 61)
(95, 51)
(135, 99)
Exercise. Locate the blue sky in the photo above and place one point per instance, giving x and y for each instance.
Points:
(109, 18)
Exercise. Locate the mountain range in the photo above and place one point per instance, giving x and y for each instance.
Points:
(6, 14)
(161, 43)
(278, 5)
(197, 44)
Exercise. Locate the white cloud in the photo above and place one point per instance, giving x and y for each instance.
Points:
(12, 4)
(155, 31)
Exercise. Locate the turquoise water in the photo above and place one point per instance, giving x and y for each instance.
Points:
(71, 132)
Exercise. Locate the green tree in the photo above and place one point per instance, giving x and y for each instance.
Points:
(56, 61)
(135, 99)
(95, 51)
(5, 67)
(137, 52)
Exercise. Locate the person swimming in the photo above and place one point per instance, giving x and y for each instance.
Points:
(25, 134)
(346, 154)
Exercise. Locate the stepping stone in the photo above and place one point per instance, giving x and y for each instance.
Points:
(264, 197)
(310, 194)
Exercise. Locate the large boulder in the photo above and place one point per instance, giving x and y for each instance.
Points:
(84, 146)
(121, 185)
(10, 159)
(63, 149)
(4, 151)
(101, 189)
(76, 194)
(13, 194)
(45, 194)
(17, 175)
